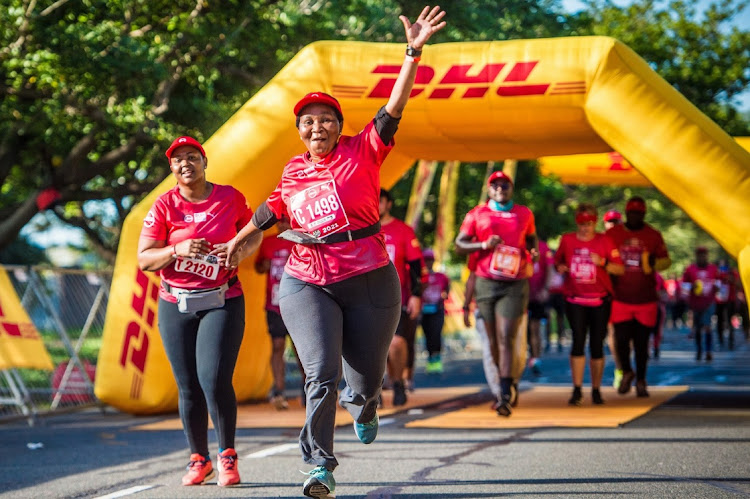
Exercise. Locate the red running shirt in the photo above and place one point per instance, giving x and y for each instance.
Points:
(217, 219)
(507, 262)
(703, 285)
(277, 252)
(402, 246)
(635, 286)
(342, 192)
(584, 280)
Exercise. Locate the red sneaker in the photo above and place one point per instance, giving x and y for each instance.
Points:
(199, 469)
(228, 474)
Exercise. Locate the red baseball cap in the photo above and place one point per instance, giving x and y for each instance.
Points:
(319, 98)
(499, 176)
(612, 215)
(701, 249)
(428, 254)
(184, 141)
(636, 205)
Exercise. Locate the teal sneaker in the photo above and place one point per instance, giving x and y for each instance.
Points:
(320, 483)
(434, 365)
(618, 378)
(366, 432)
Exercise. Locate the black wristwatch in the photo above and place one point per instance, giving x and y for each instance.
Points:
(412, 52)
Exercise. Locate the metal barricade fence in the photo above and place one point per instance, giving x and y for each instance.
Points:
(67, 307)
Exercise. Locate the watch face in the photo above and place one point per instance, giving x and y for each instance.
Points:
(412, 52)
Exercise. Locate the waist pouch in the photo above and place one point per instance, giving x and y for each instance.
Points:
(300, 237)
(190, 301)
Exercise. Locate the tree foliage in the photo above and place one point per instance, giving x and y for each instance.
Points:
(92, 92)
(703, 55)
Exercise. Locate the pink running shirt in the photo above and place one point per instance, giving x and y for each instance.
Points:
(507, 262)
(217, 219)
(342, 192)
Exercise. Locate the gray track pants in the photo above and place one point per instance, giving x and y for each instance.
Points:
(355, 320)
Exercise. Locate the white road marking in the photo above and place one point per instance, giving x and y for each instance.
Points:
(272, 450)
(126, 492)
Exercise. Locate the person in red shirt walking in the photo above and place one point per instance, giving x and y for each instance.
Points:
(504, 234)
(634, 308)
(586, 258)
(725, 302)
(405, 253)
(538, 299)
(340, 295)
(701, 277)
(201, 310)
(271, 259)
(433, 312)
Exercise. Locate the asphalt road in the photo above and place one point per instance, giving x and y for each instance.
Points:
(696, 445)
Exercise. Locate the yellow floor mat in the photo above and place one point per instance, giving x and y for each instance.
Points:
(264, 415)
(546, 406)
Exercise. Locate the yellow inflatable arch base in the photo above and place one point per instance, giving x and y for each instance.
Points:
(473, 101)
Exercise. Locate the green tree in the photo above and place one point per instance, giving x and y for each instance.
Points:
(705, 57)
(92, 92)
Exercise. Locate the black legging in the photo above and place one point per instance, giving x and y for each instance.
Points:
(202, 348)
(432, 326)
(588, 320)
(638, 333)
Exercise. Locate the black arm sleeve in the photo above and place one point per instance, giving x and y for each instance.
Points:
(415, 277)
(386, 125)
(263, 218)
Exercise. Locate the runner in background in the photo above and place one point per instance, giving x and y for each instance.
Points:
(671, 291)
(586, 258)
(661, 316)
(271, 259)
(555, 304)
(504, 235)
(742, 310)
(433, 312)
(635, 303)
(538, 299)
(611, 219)
(404, 250)
(725, 303)
(702, 278)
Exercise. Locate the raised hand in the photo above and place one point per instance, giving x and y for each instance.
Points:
(423, 28)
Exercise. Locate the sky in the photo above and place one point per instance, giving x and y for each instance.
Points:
(742, 21)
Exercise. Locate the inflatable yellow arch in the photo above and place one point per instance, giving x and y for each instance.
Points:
(473, 101)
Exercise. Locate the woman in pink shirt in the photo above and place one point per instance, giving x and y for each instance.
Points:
(201, 309)
(340, 295)
(586, 258)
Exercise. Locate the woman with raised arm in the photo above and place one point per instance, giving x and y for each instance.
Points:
(339, 296)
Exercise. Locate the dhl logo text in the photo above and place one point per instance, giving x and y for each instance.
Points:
(135, 344)
(17, 330)
(469, 81)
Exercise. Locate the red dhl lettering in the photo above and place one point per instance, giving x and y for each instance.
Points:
(135, 344)
(18, 330)
(478, 82)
